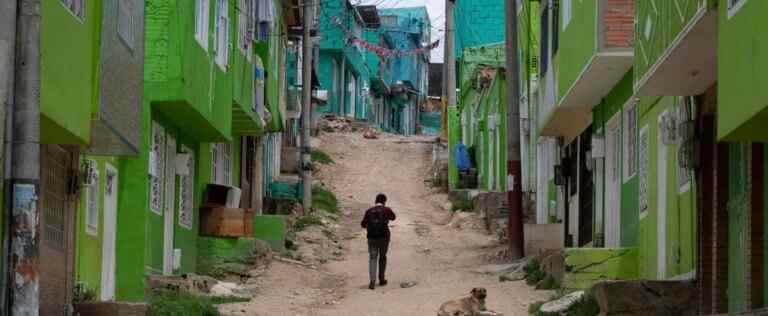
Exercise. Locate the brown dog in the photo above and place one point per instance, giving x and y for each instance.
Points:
(471, 305)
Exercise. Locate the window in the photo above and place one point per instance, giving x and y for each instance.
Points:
(221, 156)
(222, 33)
(202, 11)
(544, 43)
(644, 167)
(734, 6)
(76, 7)
(156, 168)
(125, 25)
(186, 191)
(630, 141)
(388, 20)
(567, 12)
(246, 16)
(92, 200)
(555, 26)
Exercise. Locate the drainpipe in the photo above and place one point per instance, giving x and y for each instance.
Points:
(343, 86)
(7, 72)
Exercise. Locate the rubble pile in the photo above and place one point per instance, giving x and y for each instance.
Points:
(333, 123)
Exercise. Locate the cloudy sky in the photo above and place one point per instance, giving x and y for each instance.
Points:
(436, 9)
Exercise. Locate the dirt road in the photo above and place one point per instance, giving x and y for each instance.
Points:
(438, 257)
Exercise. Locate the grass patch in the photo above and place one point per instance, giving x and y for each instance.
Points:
(306, 221)
(321, 157)
(533, 273)
(325, 200)
(171, 303)
(534, 308)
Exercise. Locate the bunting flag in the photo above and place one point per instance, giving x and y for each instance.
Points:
(379, 50)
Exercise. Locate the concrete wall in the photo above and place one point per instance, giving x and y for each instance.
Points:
(542, 237)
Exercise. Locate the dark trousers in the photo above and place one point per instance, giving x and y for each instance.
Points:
(377, 249)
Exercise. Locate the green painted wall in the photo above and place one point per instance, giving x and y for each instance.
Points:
(454, 137)
(577, 44)
(658, 24)
(181, 77)
(587, 266)
(680, 207)
(68, 72)
(741, 94)
(271, 229)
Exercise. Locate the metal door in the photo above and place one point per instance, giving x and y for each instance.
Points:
(613, 183)
(737, 222)
(57, 251)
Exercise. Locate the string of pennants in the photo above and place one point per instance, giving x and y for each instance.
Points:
(379, 50)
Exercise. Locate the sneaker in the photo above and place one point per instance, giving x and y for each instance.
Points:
(383, 282)
(372, 285)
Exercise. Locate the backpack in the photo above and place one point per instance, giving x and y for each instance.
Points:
(377, 223)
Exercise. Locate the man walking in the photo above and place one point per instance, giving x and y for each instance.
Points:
(376, 222)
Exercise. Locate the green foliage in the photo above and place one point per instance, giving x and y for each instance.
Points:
(462, 205)
(306, 221)
(319, 156)
(533, 273)
(534, 308)
(171, 303)
(325, 200)
(548, 283)
(83, 293)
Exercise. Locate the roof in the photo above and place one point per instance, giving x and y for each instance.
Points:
(419, 12)
(370, 15)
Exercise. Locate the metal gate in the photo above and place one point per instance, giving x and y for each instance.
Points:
(57, 223)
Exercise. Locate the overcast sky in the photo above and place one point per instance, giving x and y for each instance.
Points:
(436, 9)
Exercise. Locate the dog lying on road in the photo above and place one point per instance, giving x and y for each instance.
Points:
(471, 305)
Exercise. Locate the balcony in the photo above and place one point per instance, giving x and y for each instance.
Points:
(595, 52)
(676, 47)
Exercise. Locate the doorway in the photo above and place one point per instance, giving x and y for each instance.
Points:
(613, 183)
(170, 202)
(109, 233)
(57, 225)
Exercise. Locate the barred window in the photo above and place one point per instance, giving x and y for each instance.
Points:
(92, 200)
(630, 141)
(156, 168)
(187, 192)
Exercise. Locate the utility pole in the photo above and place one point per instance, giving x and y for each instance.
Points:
(514, 172)
(7, 74)
(306, 91)
(449, 62)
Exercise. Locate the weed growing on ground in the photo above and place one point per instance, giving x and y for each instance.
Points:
(179, 303)
(306, 221)
(321, 157)
(548, 283)
(324, 200)
(533, 273)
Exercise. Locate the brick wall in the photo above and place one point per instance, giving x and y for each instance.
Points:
(619, 24)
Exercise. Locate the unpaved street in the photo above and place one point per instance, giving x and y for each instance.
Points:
(427, 246)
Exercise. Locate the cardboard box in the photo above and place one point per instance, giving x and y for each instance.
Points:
(226, 222)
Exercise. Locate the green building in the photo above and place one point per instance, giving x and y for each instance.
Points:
(342, 68)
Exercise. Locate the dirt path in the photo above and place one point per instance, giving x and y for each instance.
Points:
(439, 257)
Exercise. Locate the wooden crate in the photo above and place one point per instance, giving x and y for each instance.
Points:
(226, 222)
